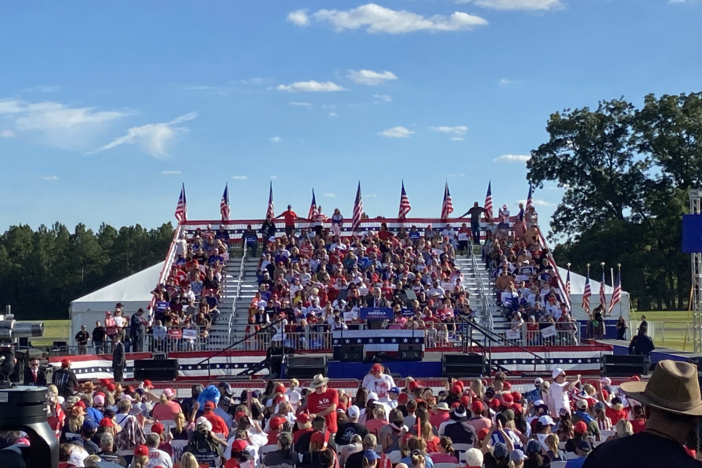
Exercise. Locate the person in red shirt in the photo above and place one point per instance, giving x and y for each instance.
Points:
(218, 424)
(616, 411)
(275, 423)
(304, 426)
(639, 421)
(289, 216)
(323, 402)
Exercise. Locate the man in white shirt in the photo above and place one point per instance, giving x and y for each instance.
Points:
(157, 457)
(436, 290)
(558, 391)
(378, 382)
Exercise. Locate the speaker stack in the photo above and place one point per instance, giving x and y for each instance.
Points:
(155, 369)
(304, 367)
(622, 366)
(410, 352)
(348, 353)
(463, 365)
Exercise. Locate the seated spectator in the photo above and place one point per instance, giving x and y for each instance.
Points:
(350, 428)
(390, 436)
(446, 453)
(157, 456)
(355, 460)
(355, 446)
(166, 409)
(107, 453)
(204, 445)
(379, 420)
(284, 457)
(240, 457)
(315, 458)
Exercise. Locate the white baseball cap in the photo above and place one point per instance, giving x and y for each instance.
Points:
(372, 396)
(538, 381)
(556, 372)
(546, 420)
(353, 412)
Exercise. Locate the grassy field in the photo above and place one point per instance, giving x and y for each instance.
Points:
(674, 339)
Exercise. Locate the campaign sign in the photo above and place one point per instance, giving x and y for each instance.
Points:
(407, 312)
(376, 313)
(513, 335)
(548, 332)
(692, 233)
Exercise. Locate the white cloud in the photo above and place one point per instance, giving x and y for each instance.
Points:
(299, 18)
(217, 90)
(510, 158)
(382, 98)
(370, 77)
(458, 130)
(330, 195)
(274, 177)
(311, 87)
(329, 106)
(57, 124)
(256, 81)
(541, 5)
(300, 104)
(239, 177)
(672, 2)
(49, 177)
(7, 133)
(377, 19)
(43, 89)
(456, 139)
(153, 138)
(333, 114)
(276, 139)
(170, 172)
(396, 132)
(537, 202)
(505, 82)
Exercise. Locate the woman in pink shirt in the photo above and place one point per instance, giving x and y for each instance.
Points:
(380, 419)
(166, 409)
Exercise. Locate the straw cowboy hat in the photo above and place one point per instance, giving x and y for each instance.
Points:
(319, 380)
(673, 387)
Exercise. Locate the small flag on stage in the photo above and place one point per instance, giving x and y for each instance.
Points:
(587, 292)
(447, 206)
(181, 212)
(405, 206)
(617, 293)
(313, 207)
(357, 210)
(224, 204)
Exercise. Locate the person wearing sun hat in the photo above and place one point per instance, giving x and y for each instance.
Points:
(323, 402)
(673, 408)
(440, 414)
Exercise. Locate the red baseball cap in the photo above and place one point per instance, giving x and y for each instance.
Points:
(507, 400)
(517, 408)
(507, 386)
(79, 404)
(65, 363)
(157, 428)
(482, 433)
(402, 398)
(110, 387)
(280, 388)
(456, 389)
(276, 422)
(517, 397)
(238, 445)
(580, 427)
(209, 405)
(465, 401)
(477, 407)
(107, 422)
(303, 418)
(495, 403)
(148, 384)
(142, 450)
(376, 368)
(318, 437)
(413, 385)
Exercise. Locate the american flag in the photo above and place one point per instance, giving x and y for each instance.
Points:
(552, 264)
(530, 200)
(567, 285)
(313, 207)
(488, 201)
(270, 214)
(587, 292)
(224, 204)
(447, 206)
(603, 297)
(357, 210)
(617, 293)
(181, 212)
(405, 206)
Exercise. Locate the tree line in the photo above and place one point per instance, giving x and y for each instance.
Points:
(626, 172)
(43, 270)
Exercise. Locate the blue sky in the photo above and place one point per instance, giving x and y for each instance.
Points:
(105, 108)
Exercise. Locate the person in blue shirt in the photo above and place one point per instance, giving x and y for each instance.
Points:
(583, 449)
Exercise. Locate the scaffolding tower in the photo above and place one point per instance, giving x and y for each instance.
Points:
(696, 264)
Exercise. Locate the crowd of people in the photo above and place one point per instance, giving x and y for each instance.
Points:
(316, 281)
(474, 424)
(526, 283)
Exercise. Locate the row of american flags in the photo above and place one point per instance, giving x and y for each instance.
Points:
(181, 212)
(587, 291)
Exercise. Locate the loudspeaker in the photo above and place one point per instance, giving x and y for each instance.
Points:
(305, 367)
(349, 353)
(155, 370)
(410, 352)
(274, 358)
(622, 366)
(463, 365)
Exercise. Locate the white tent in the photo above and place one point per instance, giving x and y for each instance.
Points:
(577, 286)
(133, 292)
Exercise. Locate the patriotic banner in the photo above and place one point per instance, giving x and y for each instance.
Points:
(488, 202)
(224, 204)
(587, 292)
(530, 199)
(574, 359)
(378, 340)
(375, 313)
(181, 212)
(270, 213)
(405, 206)
(617, 293)
(357, 210)
(313, 207)
(447, 205)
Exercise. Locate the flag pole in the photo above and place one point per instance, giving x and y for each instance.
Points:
(568, 292)
(602, 287)
(621, 294)
(588, 277)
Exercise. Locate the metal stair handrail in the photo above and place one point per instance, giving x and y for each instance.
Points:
(481, 287)
(237, 293)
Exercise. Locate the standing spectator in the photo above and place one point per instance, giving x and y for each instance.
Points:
(119, 359)
(99, 334)
(159, 333)
(337, 221)
(218, 424)
(558, 391)
(475, 213)
(166, 409)
(65, 379)
(137, 330)
(250, 239)
(350, 428)
(378, 382)
(33, 375)
(621, 329)
(673, 407)
(82, 338)
(289, 216)
(323, 402)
